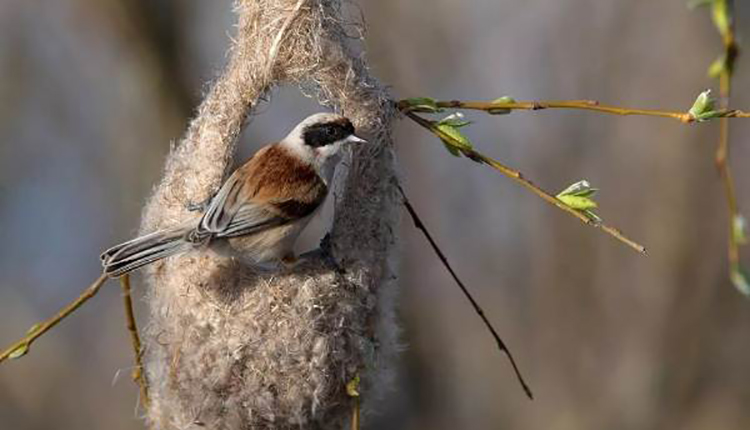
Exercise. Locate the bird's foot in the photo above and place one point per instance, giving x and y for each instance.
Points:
(290, 260)
(327, 249)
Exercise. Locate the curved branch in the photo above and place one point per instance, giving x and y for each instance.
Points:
(21, 347)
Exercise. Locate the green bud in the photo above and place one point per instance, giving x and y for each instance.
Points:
(592, 216)
(19, 352)
(454, 120)
(703, 107)
(739, 229)
(578, 196)
(721, 15)
(423, 104)
(449, 133)
(33, 328)
(352, 387)
(718, 67)
(452, 149)
(579, 203)
(579, 189)
(501, 111)
(740, 280)
(454, 140)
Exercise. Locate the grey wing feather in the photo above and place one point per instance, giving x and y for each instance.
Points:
(251, 219)
(222, 207)
(227, 217)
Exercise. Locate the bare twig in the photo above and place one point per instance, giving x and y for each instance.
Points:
(352, 389)
(590, 105)
(731, 51)
(355, 413)
(518, 177)
(22, 346)
(478, 309)
(138, 376)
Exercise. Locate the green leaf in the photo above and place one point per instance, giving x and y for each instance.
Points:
(579, 203)
(33, 328)
(592, 216)
(740, 280)
(423, 104)
(352, 387)
(452, 149)
(703, 107)
(454, 120)
(718, 67)
(453, 139)
(710, 115)
(501, 111)
(578, 196)
(449, 133)
(739, 229)
(721, 15)
(579, 189)
(19, 352)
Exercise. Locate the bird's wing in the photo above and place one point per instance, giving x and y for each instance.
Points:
(271, 189)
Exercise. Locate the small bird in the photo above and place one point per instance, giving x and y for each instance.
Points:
(261, 209)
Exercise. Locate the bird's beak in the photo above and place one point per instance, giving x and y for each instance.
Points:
(355, 139)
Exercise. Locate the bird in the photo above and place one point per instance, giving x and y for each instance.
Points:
(260, 209)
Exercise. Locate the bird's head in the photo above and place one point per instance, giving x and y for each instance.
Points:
(318, 139)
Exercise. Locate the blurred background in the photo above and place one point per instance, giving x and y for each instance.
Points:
(93, 92)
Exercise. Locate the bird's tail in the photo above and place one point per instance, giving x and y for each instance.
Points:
(138, 252)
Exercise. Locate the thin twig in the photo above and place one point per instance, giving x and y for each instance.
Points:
(138, 376)
(590, 105)
(352, 389)
(518, 177)
(355, 413)
(23, 345)
(478, 309)
(731, 51)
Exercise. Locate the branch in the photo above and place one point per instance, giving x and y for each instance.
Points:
(478, 309)
(502, 107)
(21, 347)
(725, 65)
(138, 376)
(518, 177)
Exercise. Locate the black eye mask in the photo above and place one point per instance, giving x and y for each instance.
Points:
(325, 134)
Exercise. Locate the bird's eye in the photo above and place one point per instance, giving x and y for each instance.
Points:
(323, 134)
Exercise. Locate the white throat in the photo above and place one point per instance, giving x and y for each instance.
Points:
(323, 159)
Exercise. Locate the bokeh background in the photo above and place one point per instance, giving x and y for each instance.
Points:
(93, 92)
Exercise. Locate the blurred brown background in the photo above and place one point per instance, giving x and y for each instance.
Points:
(93, 92)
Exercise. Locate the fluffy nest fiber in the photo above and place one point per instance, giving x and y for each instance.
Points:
(227, 348)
